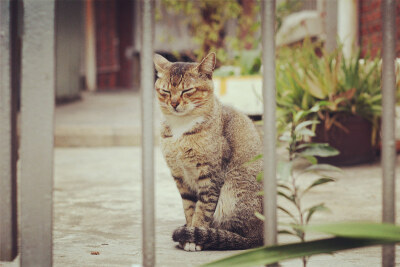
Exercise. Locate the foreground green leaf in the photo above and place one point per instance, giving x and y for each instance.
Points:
(273, 254)
(388, 232)
(349, 236)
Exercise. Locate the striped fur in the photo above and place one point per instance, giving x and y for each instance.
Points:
(213, 238)
(205, 145)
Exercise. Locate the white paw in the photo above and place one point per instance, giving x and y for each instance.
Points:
(192, 247)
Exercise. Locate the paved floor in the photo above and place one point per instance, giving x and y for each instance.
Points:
(97, 198)
(100, 119)
(98, 208)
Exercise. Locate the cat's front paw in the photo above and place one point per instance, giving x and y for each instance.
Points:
(186, 238)
(192, 247)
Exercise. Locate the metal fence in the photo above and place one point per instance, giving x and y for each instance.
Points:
(388, 123)
(35, 186)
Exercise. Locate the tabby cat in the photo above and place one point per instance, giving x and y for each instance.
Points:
(208, 147)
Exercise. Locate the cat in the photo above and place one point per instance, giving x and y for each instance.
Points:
(207, 147)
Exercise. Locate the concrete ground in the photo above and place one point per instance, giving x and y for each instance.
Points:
(97, 194)
(100, 119)
(98, 209)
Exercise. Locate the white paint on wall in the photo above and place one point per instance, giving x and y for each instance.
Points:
(348, 25)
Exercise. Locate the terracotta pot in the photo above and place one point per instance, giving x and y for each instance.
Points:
(355, 144)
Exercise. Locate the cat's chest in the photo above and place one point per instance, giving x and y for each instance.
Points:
(178, 126)
(187, 145)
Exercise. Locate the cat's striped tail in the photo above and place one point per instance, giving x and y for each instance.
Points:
(213, 238)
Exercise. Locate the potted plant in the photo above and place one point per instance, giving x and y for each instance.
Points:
(344, 94)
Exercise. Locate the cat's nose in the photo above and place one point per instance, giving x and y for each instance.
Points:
(175, 104)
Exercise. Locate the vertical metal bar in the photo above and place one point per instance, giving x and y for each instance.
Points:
(147, 92)
(8, 205)
(388, 122)
(37, 110)
(268, 59)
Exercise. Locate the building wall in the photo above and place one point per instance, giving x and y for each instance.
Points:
(69, 40)
(113, 42)
(371, 26)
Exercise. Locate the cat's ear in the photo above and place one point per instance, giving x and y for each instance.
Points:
(207, 65)
(161, 63)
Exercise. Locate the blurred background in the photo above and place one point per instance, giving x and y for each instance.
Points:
(99, 48)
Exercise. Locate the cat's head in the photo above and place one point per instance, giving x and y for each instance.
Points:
(184, 88)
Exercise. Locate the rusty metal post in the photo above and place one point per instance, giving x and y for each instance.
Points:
(388, 123)
(147, 92)
(269, 99)
(37, 116)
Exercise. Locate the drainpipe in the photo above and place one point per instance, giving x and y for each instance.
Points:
(90, 47)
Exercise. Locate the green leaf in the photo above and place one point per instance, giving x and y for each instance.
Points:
(320, 150)
(311, 159)
(305, 124)
(259, 216)
(377, 231)
(286, 232)
(288, 213)
(284, 170)
(317, 106)
(254, 159)
(285, 138)
(322, 167)
(284, 186)
(299, 115)
(299, 232)
(260, 176)
(305, 132)
(273, 254)
(290, 198)
(313, 209)
(318, 182)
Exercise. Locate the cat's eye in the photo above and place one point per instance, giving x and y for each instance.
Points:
(190, 90)
(165, 91)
